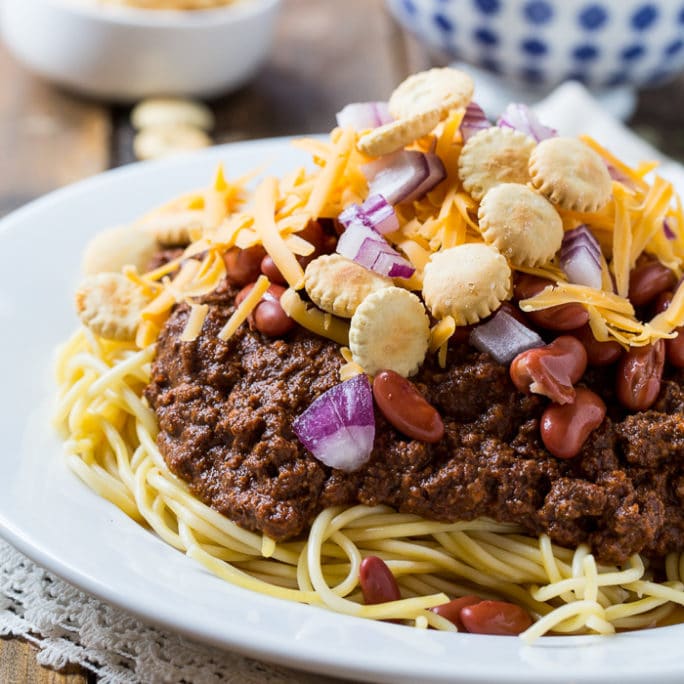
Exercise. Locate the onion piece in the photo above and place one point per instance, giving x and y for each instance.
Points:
(339, 427)
(618, 176)
(474, 121)
(521, 118)
(503, 337)
(404, 176)
(392, 265)
(668, 229)
(580, 257)
(370, 249)
(375, 213)
(363, 115)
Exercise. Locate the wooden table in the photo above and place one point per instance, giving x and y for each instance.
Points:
(325, 55)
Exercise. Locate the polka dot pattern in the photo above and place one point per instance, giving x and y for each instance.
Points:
(644, 17)
(632, 52)
(488, 6)
(543, 42)
(409, 7)
(538, 12)
(674, 47)
(586, 52)
(593, 17)
(534, 46)
(486, 36)
(444, 23)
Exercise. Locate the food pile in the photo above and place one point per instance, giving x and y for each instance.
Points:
(487, 310)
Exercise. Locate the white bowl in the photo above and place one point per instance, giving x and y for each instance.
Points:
(125, 54)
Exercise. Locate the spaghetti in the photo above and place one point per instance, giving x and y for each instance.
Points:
(110, 444)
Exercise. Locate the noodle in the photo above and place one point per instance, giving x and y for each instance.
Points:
(111, 446)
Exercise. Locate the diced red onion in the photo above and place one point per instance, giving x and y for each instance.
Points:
(521, 118)
(375, 213)
(474, 121)
(363, 115)
(368, 248)
(392, 265)
(503, 337)
(580, 257)
(339, 427)
(404, 176)
(668, 228)
(618, 176)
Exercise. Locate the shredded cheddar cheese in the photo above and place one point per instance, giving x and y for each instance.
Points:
(314, 319)
(622, 242)
(223, 198)
(673, 316)
(651, 216)
(629, 225)
(215, 201)
(198, 313)
(611, 317)
(328, 181)
(149, 287)
(147, 334)
(566, 293)
(349, 368)
(265, 198)
(157, 311)
(247, 305)
(635, 176)
(441, 332)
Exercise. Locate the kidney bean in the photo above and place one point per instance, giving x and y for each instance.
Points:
(270, 270)
(560, 317)
(452, 610)
(243, 265)
(564, 429)
(638, 376)
(271, 320)
(648, 280)
(313, 232)
(526, 286)
(662, 301)
(405, 408)
(495, 617)
(268, 316)
(377, 581)
(323, 242)
(551, 370)
(598, 353)
(674, 348)
(461, 334)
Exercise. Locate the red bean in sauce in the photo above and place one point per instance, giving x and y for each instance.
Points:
(560, 317)
(405, 408)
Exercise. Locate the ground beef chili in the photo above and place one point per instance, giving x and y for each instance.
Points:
(225, 411)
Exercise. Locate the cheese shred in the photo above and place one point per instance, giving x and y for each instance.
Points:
(246, 306)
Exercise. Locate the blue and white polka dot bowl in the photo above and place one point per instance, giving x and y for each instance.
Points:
(602, 43)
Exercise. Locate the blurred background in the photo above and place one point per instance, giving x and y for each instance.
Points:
(72, 72)
(308, 59)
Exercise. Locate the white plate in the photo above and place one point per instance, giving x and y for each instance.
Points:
(48, 514)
